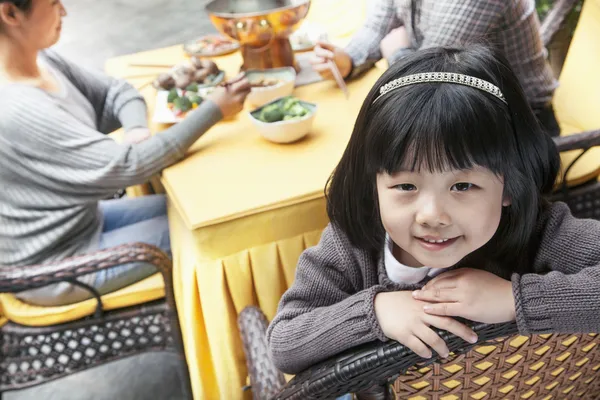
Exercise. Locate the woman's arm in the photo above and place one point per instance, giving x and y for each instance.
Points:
(53, 149)
(364, 47)
(326, 310)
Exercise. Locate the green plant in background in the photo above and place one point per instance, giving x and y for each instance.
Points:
(544, 6)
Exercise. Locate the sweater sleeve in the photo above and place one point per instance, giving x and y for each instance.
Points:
(364, 46)
(565, 299)
(325, 311)
(53, 149)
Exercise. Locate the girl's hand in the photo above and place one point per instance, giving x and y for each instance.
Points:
(469, 293)
(402, 318)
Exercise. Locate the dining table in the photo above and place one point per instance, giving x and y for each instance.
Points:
(241, 210)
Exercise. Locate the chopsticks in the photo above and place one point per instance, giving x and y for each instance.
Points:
(338, 78)
(153, 65)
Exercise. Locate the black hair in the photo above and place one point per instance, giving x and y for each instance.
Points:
(23, 5)
(440, 126)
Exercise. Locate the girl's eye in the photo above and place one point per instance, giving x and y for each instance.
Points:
(405, 187)
(462, 186)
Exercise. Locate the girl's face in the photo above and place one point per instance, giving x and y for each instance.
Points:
(437, 218)
(39, 27)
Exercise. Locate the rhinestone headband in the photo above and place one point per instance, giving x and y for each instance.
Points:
(448, 77)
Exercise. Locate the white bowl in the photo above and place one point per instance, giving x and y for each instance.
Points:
(285, 131)
(263, 95)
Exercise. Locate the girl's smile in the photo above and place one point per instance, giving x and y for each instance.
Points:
(431, 243)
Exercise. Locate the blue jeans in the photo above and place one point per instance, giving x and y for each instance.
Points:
(126, 220)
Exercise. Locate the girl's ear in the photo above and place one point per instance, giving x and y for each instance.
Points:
(506, 202)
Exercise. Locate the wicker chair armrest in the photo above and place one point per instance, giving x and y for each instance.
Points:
(15, 279)
(376, 363)
(265, 379)
(555, 19)
(583, 140)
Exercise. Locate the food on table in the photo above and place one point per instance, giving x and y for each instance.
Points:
(182, 101)
(166, 81)
(184, 70)
(183, 81)
(192, 87)
(286, 109)
(198, 71)
(201, 75)
(173, 94)
(264, 82)
(205, 63)
(210, 45)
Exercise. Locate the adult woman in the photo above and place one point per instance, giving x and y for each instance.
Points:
(56, 162)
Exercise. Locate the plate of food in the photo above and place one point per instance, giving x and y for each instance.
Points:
(183, 88)
(202, 71)
(173, 105)
(210, 46)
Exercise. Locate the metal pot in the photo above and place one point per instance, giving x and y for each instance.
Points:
(262, 27)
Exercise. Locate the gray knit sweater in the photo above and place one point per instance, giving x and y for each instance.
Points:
(329, 308)
(54, 168)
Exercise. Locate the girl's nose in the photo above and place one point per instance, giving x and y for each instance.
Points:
(63, 10)
(432, 214)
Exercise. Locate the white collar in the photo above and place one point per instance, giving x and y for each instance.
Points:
(400, 273)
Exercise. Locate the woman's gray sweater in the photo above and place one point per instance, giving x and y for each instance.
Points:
(54, 168)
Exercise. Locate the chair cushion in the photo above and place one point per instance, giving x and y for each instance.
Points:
(576, 99)
(13, 309)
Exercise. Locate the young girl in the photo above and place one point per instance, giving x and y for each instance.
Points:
(442, 188)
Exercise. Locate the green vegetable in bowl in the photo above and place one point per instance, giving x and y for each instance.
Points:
(172, 95)
(288, 102)
(271, 113)
(286, 109)
(296, 111)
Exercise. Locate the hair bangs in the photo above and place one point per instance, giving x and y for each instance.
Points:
(445, 127)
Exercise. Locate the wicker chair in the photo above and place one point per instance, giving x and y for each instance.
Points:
(502, 365)
(31, 356)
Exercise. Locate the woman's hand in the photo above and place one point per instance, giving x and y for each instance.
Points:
(402, 318)
(326, 53)
(469, 293)
(230, 98)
